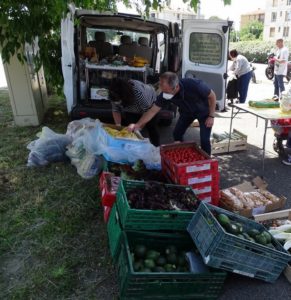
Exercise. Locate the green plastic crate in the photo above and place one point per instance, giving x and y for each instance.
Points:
(114, 233)
(176, 286)
(143, 219)
(222, 250)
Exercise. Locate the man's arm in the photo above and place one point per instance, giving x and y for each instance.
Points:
(212, 104)
(116, 117)
(145, 118)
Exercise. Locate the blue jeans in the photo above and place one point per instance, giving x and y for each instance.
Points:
(184, 122)
(279, 85)
(243, 86)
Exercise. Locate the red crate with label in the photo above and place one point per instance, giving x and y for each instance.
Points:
(108, 187)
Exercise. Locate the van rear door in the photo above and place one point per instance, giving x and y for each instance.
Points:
(205, 54)
(68, 60)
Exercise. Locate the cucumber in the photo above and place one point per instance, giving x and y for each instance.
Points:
(223, 220)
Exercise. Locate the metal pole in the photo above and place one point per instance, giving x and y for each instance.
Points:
(264, 145)
(230, 129)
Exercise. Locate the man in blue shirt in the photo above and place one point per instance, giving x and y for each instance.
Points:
(194, 99)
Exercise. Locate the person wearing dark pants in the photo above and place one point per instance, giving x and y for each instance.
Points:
(194, 99)
(205, 132)
(130, 99)
(278, 85)
(151, 126)
(280, 68)
(243, 86)
(243, 71)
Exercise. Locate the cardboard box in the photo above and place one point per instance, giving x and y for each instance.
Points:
(257, 183)
(119, 128)
(98, 94)
(281, 214)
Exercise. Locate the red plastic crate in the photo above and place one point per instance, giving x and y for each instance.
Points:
(108, 196)
(207, 164)
(203, 177)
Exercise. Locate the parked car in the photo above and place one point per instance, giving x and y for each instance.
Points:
(106, 45)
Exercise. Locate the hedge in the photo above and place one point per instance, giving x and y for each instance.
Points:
(257, 49)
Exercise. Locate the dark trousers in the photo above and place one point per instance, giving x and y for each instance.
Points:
(279, 85)
(184, 122)
(243, 86)
(151, 126)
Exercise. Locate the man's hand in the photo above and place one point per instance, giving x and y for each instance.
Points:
(132, 127)
(209, 122)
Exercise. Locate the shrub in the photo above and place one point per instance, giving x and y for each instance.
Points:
(257, 49)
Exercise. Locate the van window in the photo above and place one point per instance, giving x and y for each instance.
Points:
(113, 35)
(205, 48)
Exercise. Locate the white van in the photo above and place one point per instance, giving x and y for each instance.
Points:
(199, 49)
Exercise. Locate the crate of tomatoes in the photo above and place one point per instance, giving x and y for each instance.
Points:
(187, 164)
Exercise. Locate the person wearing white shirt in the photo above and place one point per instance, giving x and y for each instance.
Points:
(280, 68)
(243, 71)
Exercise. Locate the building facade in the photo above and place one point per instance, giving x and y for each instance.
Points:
(175, 12)
(258, 15)
(277, 20)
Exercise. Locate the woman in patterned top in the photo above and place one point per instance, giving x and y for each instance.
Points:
(130, 99)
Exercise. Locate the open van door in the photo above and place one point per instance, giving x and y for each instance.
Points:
(205, 54)
(68, 60)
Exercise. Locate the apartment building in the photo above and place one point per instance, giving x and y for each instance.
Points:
(277, 19)
(258, 15)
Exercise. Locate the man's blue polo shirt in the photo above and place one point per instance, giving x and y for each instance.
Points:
(192, 99)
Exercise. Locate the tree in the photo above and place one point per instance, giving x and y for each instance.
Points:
(22, 21)
(252, 31)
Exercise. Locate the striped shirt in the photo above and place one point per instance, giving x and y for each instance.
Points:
(144, 95)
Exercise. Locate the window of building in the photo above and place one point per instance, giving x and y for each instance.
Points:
(178, 16)
(153, 15)
(288, 2)
(279, 29)
(272, 31)
(205, 48)
(286, 32)
(281, 13)
(273, 17)
(275, 2)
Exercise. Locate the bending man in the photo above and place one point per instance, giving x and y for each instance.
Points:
(194, 99)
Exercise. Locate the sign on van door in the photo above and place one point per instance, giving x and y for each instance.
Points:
(205, 54)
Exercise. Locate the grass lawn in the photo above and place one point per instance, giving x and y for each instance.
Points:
(53, 241)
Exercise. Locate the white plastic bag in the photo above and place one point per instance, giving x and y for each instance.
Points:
(50, 147)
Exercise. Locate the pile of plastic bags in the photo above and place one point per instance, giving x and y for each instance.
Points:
(285, 102)
(84, 145)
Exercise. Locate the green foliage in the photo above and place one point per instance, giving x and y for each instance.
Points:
(252, 31)
(21, 22)
(256, 49)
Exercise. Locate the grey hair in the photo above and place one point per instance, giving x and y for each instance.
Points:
(171, 78)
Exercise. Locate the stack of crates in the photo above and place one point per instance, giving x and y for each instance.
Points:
(108, 196)
(155, 229)
(201, 175)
